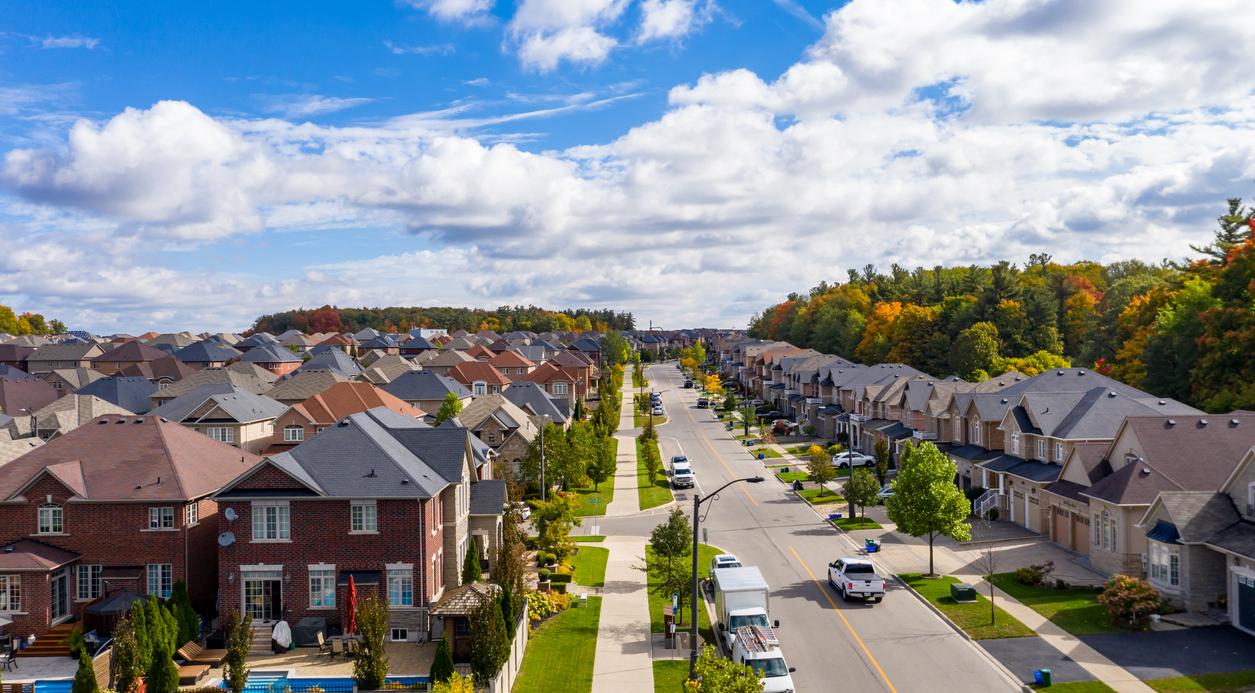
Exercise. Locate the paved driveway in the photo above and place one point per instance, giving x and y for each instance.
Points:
(1023, 656)
(1178, 652)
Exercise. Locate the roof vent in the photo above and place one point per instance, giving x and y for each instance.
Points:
(1004, 400)
(405, 481)
(1233, 422)
(1059, 373)
(371, 475)
(1145, 471)
(1172, 422)
(1161, 402)
(1111, 394)
(1202, 422)
(138, 421)
(1080, 372)
(102, 421)
(121, 421)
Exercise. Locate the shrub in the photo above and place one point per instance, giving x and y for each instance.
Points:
(543, 573)
(1034, 575)
(542, 605)
(442, 668)
(239, 641)
(560, 587)
(992, 515)
(557, 578)
(1061, 584)
(1130, 601)
(974, 492)
(370, 666)
(85, 677)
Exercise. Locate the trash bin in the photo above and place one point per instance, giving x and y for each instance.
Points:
(761, 456)
(1041, 677)
(797, 486)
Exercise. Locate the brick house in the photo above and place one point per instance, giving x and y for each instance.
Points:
(427, 390)
(501, 425)
(130, 353)
(303, 421)
(381, 497)
(479, 377)
(120, 503)
(274, 358)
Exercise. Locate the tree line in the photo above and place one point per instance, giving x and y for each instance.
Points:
(404, 319)
(12, 322)
(1178, 329)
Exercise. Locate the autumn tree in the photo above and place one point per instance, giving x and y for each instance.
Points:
(925, 501)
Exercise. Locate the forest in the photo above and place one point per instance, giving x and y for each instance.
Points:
(404, 319)
(1183, 329)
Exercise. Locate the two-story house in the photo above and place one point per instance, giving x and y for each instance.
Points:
(50, 357)
(119, 503)
(501, 425)
(427, 390)
(226, 414)
(479, 377)
(131, 353)
(307, 419)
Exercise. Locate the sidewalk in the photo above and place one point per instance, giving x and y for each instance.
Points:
(624, 661)
(626, 494)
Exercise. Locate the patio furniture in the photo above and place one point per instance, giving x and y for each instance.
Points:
(191, 674)
(193, 653)
(305, 631)
(324, 647)
(337, 648)
(10, 659)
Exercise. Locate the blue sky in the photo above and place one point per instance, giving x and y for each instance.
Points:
(188, 166)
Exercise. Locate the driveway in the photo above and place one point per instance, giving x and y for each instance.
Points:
(1023, 656)
(1184, 652)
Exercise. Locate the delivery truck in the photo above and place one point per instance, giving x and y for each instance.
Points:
(741, 600)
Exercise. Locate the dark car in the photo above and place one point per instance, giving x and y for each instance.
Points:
(772, 415)
(688, 383)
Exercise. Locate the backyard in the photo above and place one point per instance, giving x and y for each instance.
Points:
(972, 618)
(560, 654)
(1075, 610)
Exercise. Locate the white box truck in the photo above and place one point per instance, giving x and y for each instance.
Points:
(740, 601)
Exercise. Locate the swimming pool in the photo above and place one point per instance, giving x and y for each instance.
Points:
(281, 682)
(59, 686)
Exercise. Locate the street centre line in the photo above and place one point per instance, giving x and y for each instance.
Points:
(853, 632)
(702, 438)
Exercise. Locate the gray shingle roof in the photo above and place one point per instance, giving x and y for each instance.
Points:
(333, 360)
(130, 393)
(270, 353)
(488, 497)
(532, 398)
(1198, 514)
(241, 405)
(206, 351)
(424, 385)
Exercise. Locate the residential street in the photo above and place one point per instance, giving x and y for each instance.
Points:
(898, 645)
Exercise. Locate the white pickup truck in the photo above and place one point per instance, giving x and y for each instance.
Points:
(856, 577)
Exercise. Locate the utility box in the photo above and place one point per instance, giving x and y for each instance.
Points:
(963, 593)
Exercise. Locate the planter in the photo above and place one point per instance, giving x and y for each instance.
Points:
(543, 586)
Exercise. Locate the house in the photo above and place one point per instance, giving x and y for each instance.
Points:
(50, 357)
(15, 355)
(11, 449)
(274, 358)
(479, 352)
(208, 354)
(340, 342)
(386, 368)
(60, 417)
(67, 380)
(226, 414)
(257, 339)
(512, 364)
(415, 346)
(560, 383)
(129, 392)
(382, 344)
(501, 425)
(172, 340)
(451, 616)
(298, 387)
(332, 360)
(427, 390)
(296, 341)
(380, 497)
(244, 376)
(533, 399)
(442, 361)
(119, 503)
(126, 354)
(583, 371)
(162, 372)
(589, 347)
(21, 397)
(306, 419)
(481, 378)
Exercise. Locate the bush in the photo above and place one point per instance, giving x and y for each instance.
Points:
(1130, 601)
(542, 605)
(992, 515)
(1034, 575)
(560, 578)
(543, 573)
(974, 492)
(370, 666)
(560, 587)
(1061, 584)
(442, 668)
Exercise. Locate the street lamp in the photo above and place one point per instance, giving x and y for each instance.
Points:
(697, 505)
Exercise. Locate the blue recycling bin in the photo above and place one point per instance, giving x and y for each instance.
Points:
(1042, 678)
(761, 456)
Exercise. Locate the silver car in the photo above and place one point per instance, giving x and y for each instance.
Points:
(851, 459)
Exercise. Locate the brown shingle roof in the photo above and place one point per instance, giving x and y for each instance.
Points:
(130, 458)
(303, 385)
(511, 359)
(345, 399)
(470, 371)
(464, 600)
(133, 350)
(28, 555)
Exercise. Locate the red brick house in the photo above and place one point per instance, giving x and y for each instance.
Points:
(479, 377)
(305, 420)
(119, 503)
(132, 353)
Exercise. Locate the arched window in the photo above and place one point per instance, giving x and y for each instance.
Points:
(293, 434)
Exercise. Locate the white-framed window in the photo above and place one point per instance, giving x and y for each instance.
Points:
(1058, 452)
(363, 517)
(974, 432)
(191, 514)
(160, 579)
(400, 634)
(87, 582)
(293, 434)
(479, 387)
(1250, 498)
(1015, 443)
(1164, 563)
(51, 519)
(490, 437)
(1105, 531)
(401, 586)
(559, 388)
(161, 518)
(1041, 450)
(222, 434)
(10, 592)
(322, 587)
(271, 522)
(956, 429)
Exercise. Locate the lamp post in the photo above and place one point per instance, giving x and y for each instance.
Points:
(697, 506)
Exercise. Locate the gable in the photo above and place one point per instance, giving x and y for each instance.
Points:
(266, 477)
(45, 483)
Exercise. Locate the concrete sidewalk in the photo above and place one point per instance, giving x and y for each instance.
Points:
(624, 661)
(627, 500)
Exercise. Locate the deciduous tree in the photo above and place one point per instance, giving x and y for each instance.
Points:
(925, 501)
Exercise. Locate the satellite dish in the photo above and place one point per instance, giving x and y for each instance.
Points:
(229, 513)
(226, 539)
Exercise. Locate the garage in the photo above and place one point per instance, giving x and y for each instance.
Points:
(1244, 600)
(1059, 527)
(1080, 534)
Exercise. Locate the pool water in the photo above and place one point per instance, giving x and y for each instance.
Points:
(62, 686)
(279, 682)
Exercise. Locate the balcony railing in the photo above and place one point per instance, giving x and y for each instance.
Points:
(923, 435)
(859, 418)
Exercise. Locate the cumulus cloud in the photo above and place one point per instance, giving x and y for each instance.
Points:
(937, 158)
(454, 10)
(547, 32)
(672, 19)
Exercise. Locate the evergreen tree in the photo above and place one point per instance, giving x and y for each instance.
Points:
(85, 677)
(162, 675)
(239, 640)
(442, 666)
(472, 571)
(490, 643)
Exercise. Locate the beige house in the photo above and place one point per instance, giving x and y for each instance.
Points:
(227, 414)
(61, 416)
(50, 357)
(502, 426)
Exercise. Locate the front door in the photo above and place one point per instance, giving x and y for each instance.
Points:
(263, 598)
(60, 598)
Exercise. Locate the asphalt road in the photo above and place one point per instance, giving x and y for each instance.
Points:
(897, 645)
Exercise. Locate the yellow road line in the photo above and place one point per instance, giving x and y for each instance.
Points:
(697, 431)
(833, 604)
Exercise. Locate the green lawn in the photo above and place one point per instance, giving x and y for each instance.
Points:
(1078, 687)
(657, 494)
(589, 566)
(852, 523)
(1074, 610)
(972, 618)
(790, 477)
(560, 654)
(705, 552)
(640, 420)
(587, 538)
(669, 675)
(1227, 681)
(819, 495)
(769, 453)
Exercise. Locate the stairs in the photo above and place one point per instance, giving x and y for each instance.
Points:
(50, 644)
(261, 640)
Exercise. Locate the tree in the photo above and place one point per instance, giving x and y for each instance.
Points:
(652, 459)
(370, 666)
(472, 571)
(442, 668)
(1130, 601)
(490, 642)
(729, 402)
(862, 489)
(925, 501)
(554, 518)
(508, 569)
(715, 674)
(1234, 230)
(989, 561)
(184, 614)
(974, 350)
(671, 545)
(455, 683)
(163, 676)
(561, 468)
(748, 414)
(85, 677)
(449, 408)
(143, 637)
(584, 447)
(239, 640)
(881, 452)
(604, 465)
(819, 465)
(127, 662)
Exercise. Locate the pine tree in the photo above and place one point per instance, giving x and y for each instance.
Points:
(442, 666)
(85, 677)
(472, 571)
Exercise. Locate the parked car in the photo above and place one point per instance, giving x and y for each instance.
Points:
(856, 577)
(688, 384)
(658, 411)
(524, 510)
(724, 560)
(885, 493)
(852, 459)
(773, 415)
(702, 403)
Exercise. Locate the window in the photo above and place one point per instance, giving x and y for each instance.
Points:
(490, 438)
(401, 586)
(559, 388)
(160, 579)
(88, 582)
(322, 587)
(1058, 452)
(10, 592)
(271, 522)
(363, 517)
(462, 628)
(1015, 443)
(1041, 450)
(479, 388)
(51, 519)
(191, 514)
(400, 634)
(956, 427)
(293, 434)
(1105, 531)
(1165, 564)
(974, 435)
(161, 518)
(222, 434)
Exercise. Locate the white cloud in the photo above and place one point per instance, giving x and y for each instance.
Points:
(69, 42)
(305, 105)
(672, 19)
(547, 32)
(433, 49)
(467, 11)
(850, 156)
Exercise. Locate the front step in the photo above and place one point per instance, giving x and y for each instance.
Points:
(50, 644)
(260, 644)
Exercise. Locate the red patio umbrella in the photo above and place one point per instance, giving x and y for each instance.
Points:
(352, 627)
